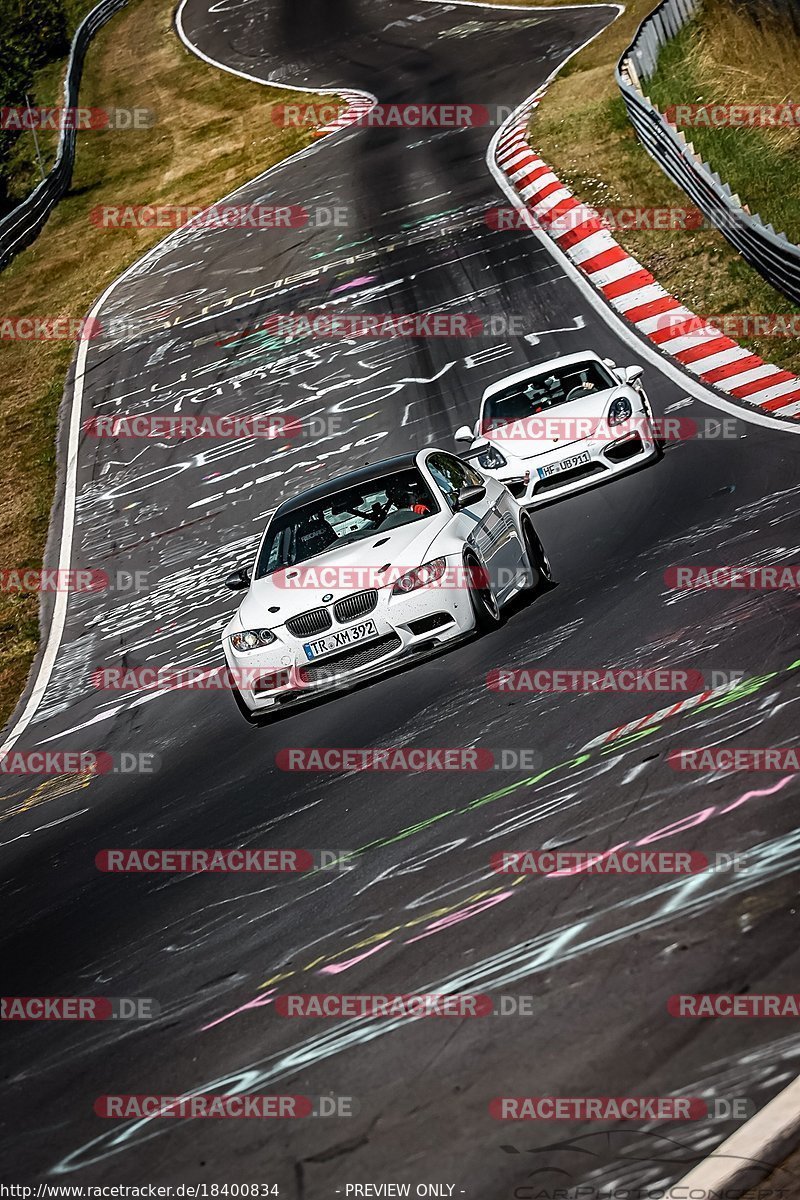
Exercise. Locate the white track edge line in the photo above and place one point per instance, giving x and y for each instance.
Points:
(58, 618)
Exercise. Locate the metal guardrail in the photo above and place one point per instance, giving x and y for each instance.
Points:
(772, 254)
(19, 227)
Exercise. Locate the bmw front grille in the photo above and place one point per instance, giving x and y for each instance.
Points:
(350, 608)
(306, 624)
(318, 620)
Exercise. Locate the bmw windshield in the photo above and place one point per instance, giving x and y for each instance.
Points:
(344, 517)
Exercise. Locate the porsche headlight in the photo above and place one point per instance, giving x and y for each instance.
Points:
(619, 411)
(252, 639)
(490, 459)
(428, 573)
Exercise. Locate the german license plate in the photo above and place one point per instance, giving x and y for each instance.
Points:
(340, 639)
(565, 464)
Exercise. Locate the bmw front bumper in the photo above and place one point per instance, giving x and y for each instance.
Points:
(417, 622)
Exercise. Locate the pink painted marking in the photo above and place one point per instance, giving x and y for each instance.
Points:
(258, 1002)
(335, 968)
(354, 283)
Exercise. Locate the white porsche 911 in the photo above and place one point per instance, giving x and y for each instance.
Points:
(562, 426)
(357, 575)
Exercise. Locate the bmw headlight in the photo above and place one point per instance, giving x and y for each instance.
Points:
(252, 639)
(619, 411)
(428, 573)
(490, 459)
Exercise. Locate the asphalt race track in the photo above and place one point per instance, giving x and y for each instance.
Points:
(420, 909)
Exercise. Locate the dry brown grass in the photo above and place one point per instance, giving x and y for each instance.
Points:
(214, 133)
(762, 163)
(761, 59)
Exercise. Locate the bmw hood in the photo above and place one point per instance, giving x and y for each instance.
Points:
(374, 561)
(562, 425)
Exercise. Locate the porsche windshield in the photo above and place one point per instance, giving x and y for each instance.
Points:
(558, 385)
(345, 517)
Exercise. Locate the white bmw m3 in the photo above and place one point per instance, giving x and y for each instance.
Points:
(380, 565)
(562, 426)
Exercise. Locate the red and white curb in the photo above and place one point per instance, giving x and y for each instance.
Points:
(630, 289)
(613, 735)
(358, 105)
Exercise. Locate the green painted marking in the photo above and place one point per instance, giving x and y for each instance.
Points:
(404, 833)
(746, 688)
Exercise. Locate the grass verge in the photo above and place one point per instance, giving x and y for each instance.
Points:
(582, 130)
(213, 134)
(47, 89)
(761, 164)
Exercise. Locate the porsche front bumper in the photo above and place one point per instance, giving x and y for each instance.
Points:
(550, 475)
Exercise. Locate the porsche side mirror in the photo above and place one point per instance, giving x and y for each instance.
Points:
(237, 581)
(631, 374)
(470, 495)
(464, 434)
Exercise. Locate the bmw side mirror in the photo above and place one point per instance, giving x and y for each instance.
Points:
(470, 495)
(237, 581)
(464, 434)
